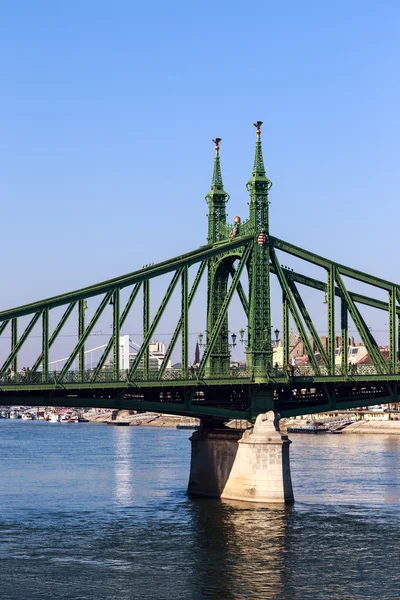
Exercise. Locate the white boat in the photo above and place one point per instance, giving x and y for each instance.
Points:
(27, 416)
(69, 418)
(54, 418)
(14, 414)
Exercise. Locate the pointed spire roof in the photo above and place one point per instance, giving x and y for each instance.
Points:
(258, 167)
(217, 186)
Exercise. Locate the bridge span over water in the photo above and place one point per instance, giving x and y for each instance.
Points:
(241, 263)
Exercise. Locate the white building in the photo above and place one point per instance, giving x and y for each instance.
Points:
(128, 351)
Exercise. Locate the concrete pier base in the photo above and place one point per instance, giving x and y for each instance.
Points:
(252, 466)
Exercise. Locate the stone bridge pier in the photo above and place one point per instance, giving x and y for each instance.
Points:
(251, 466)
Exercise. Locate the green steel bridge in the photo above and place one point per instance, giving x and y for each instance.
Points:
(239, 262)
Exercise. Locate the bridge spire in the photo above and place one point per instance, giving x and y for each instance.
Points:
(259, 350)
(259, 186)
(216, 199)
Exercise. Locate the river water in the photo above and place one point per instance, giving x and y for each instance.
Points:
(91, 512)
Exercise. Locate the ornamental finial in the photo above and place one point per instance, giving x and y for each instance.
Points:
(216, 142)
(258, 127)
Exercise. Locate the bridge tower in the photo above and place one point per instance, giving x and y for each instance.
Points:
(218, 271)
(259, 350)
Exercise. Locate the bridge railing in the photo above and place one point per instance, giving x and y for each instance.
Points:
(245, 373)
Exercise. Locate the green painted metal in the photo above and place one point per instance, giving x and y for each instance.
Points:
(82, 306)
(149, 328)
(83, 334)
(216, 199)
(14, 342)
(144, 351)
(215, 389)
(241, 293)
(219, 321)
(285, 330)
(344, 340)
(259, 349)
(331, 318)
(55, 333)
(184, 319)
(363, 330)
(17, 344)
(392, 328)
(116, 333)
(307, 318)
(112, 340)
(294, 311)
(178, 328)
(45, 344)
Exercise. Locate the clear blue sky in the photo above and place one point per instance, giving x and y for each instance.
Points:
(107, 111)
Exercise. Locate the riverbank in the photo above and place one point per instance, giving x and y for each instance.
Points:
(359, 427)
(148, 419)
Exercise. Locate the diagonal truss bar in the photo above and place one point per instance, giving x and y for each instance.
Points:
(84, 336)
(241, 293)
(293, 309)
(150, 330)
(362, 328)
(167, 266)
(4, 325)
(122, 320)
(307, 318)
(10, 358)
(320, 285)
(315, 259)
(221, 315)
(178, 327)
(55, 333)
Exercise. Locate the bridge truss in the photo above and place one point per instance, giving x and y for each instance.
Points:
(236, 256)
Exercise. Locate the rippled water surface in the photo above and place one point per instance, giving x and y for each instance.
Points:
(95, 512)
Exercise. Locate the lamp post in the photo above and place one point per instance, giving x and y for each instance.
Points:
(201, 345)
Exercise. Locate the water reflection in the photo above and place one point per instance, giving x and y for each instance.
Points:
(122, 444)
(240, 548)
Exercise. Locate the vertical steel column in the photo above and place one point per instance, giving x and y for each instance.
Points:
(398, 343)
(81, 330)
(392, 328)
(45, 345)
(184, 319)
(14, 341)
(146, 324)
(116, 349)
(331, 319)
(259, 351)
(285, 331)
(345, 336)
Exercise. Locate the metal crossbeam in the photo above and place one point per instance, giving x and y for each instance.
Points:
(219, 321)
(293, 309)
(84, 336)
(18, 344)
(363, 330)
(149, 329)
(122, 320)
(53, 336)
(178, 327)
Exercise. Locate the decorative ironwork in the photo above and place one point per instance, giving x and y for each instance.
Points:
(212, 387)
